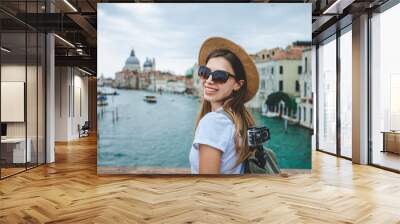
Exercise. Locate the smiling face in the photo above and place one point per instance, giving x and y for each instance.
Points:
(217, 93)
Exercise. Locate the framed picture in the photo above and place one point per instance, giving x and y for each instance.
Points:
(204, 88)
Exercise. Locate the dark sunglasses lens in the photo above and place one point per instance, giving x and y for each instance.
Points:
(204, 72)
(220, 76)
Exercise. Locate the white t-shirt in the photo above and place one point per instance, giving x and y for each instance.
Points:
(218, 131)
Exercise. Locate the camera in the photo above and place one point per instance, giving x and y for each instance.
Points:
(261, 160)
(257, 136)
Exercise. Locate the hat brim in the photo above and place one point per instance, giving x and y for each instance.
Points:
(250, 69)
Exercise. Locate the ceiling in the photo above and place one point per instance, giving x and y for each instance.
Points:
(331, 15)
(76, 22)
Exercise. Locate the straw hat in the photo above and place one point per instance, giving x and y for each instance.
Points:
(218, 43)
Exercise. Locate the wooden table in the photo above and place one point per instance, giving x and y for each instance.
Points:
(391, 141)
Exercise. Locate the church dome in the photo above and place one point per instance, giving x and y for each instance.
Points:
(132, 59)
(132, 63)
(147, 63)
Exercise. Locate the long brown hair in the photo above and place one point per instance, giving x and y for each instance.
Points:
(233, 106)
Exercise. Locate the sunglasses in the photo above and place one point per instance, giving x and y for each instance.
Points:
(218, 76)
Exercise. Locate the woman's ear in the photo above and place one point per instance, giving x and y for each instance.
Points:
(238, 84)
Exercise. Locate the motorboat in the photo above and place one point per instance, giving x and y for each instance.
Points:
(150, 99)
(102, 100)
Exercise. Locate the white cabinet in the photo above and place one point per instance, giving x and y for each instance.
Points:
(18, 149)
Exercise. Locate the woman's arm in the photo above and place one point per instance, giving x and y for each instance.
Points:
(209, 160)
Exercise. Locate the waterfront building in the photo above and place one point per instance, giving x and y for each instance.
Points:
(193, 85)
(175, 86)
(288, 68)
(108, 82)
(120, 80)
(196, 80)
(279, 71)
(131, 76)
(264, 66)
(100, 81)
(161, 85)
(305, 106)
(148, 78)
(161, 80)
(189, 81)
(131, 80)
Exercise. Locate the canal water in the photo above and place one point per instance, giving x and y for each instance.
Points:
(134, 133)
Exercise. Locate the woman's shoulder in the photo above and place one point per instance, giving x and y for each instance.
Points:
(215, 130)
(217, 118)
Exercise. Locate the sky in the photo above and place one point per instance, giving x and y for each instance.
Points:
(173, 33)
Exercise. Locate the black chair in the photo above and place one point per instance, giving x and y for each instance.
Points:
(84, 130)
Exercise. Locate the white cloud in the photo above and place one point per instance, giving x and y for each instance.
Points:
(173, 33)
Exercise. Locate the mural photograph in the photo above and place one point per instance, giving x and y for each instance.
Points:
(182, 92)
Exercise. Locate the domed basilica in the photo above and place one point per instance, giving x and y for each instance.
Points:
(132, 63)
(132, 76)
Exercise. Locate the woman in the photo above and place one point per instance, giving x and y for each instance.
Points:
(229, 79)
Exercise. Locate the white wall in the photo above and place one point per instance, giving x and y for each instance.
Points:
(71, 94)
(62, 81)
(80, 109)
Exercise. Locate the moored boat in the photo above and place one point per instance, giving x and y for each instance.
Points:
(102, 100)
(150, 99)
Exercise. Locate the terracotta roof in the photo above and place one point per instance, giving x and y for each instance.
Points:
(267, 54)
(292, 53)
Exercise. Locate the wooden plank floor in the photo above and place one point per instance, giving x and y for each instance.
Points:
(70, 191)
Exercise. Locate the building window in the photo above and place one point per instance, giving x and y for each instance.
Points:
(299, 69)
(262, 71)
(305, 89)
(305, 64)
(297, 86)
(280, 85)
(327, 97)
(385, 87)
(272, 70)
(262, 84)
(281, 69)
(305, 114)
(346, 94)
(311, 118)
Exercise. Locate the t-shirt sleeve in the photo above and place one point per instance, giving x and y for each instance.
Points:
(215, 130)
